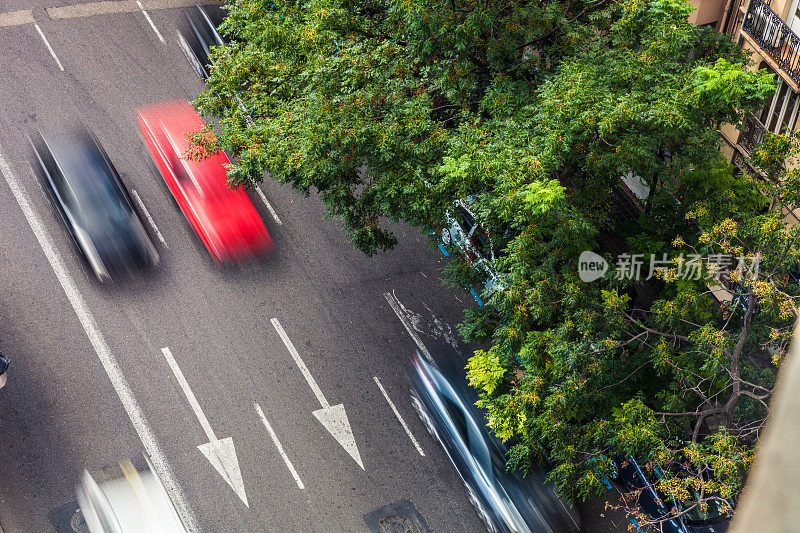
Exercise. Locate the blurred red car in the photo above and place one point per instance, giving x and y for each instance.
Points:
(224, 219)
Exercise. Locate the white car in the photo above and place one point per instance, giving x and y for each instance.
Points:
(127, 500)
(468, 235)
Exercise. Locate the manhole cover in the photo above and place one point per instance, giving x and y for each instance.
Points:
(397, 517)
(68, 519)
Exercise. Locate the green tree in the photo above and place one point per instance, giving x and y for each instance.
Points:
(534, 111)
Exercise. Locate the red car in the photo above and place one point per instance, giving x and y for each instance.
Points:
(224, 219)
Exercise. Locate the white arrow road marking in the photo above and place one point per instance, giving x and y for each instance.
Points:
(335, 421)
(395, 304)
(400, 418)
(110, 365)
(333, 417)
(275, 440)
(220, 453)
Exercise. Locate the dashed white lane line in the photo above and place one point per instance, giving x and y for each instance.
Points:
(110, 365)
(269, 206)
(149, 218)
(150, 21)
(402, 316)
(277, 443)
(47, 44)
(16, 18)
(400, 418)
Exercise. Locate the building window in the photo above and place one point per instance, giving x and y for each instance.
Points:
(780, 109)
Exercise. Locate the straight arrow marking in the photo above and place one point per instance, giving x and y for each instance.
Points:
(220, 453)
(300, 364)
(332, 417)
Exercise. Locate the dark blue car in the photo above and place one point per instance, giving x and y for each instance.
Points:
(506, 502)
(92, 203)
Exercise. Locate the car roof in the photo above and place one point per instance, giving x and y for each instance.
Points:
(170, 122)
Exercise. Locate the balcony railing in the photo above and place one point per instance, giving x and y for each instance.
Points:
(774, 36)
(752, 134)
(734, 22)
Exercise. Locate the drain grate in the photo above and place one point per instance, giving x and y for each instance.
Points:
(397, 517)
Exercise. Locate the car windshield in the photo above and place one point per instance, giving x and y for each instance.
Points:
(197, 178)
(90, 191)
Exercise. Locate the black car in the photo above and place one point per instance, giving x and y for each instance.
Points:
(92, 203)
(198, 38)
(506, 502)
(659, 506)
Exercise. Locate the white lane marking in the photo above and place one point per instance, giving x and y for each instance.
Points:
(221, 453)
(394, 303)
(269, 206)
(147, 214)
(332, 417)
(16, 18)
(47, 44)
(118, 381)
(400, 418)
(277, 443)
(152, 25)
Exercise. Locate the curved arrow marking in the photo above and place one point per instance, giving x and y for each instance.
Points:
(332, 417)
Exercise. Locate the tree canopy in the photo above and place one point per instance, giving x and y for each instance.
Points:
(534, 111)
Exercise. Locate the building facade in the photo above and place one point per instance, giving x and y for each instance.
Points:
(770, 29)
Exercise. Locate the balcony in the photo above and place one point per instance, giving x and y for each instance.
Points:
(766, 29)
(752, 134)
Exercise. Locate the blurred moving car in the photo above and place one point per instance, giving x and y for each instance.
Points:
(659, 506)
(506, 502)
(92, 202)
(225, 219)
(126, 500)
(197, 39)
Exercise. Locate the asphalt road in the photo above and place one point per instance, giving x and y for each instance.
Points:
(85, 357)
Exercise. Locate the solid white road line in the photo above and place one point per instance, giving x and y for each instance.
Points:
(277, 443)
(47, 44)
(269, 206)
(400, 418)
(118, 381)
(221, 453)
(147, 214)
(16, 18)
(147, 16)
(393, 302)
